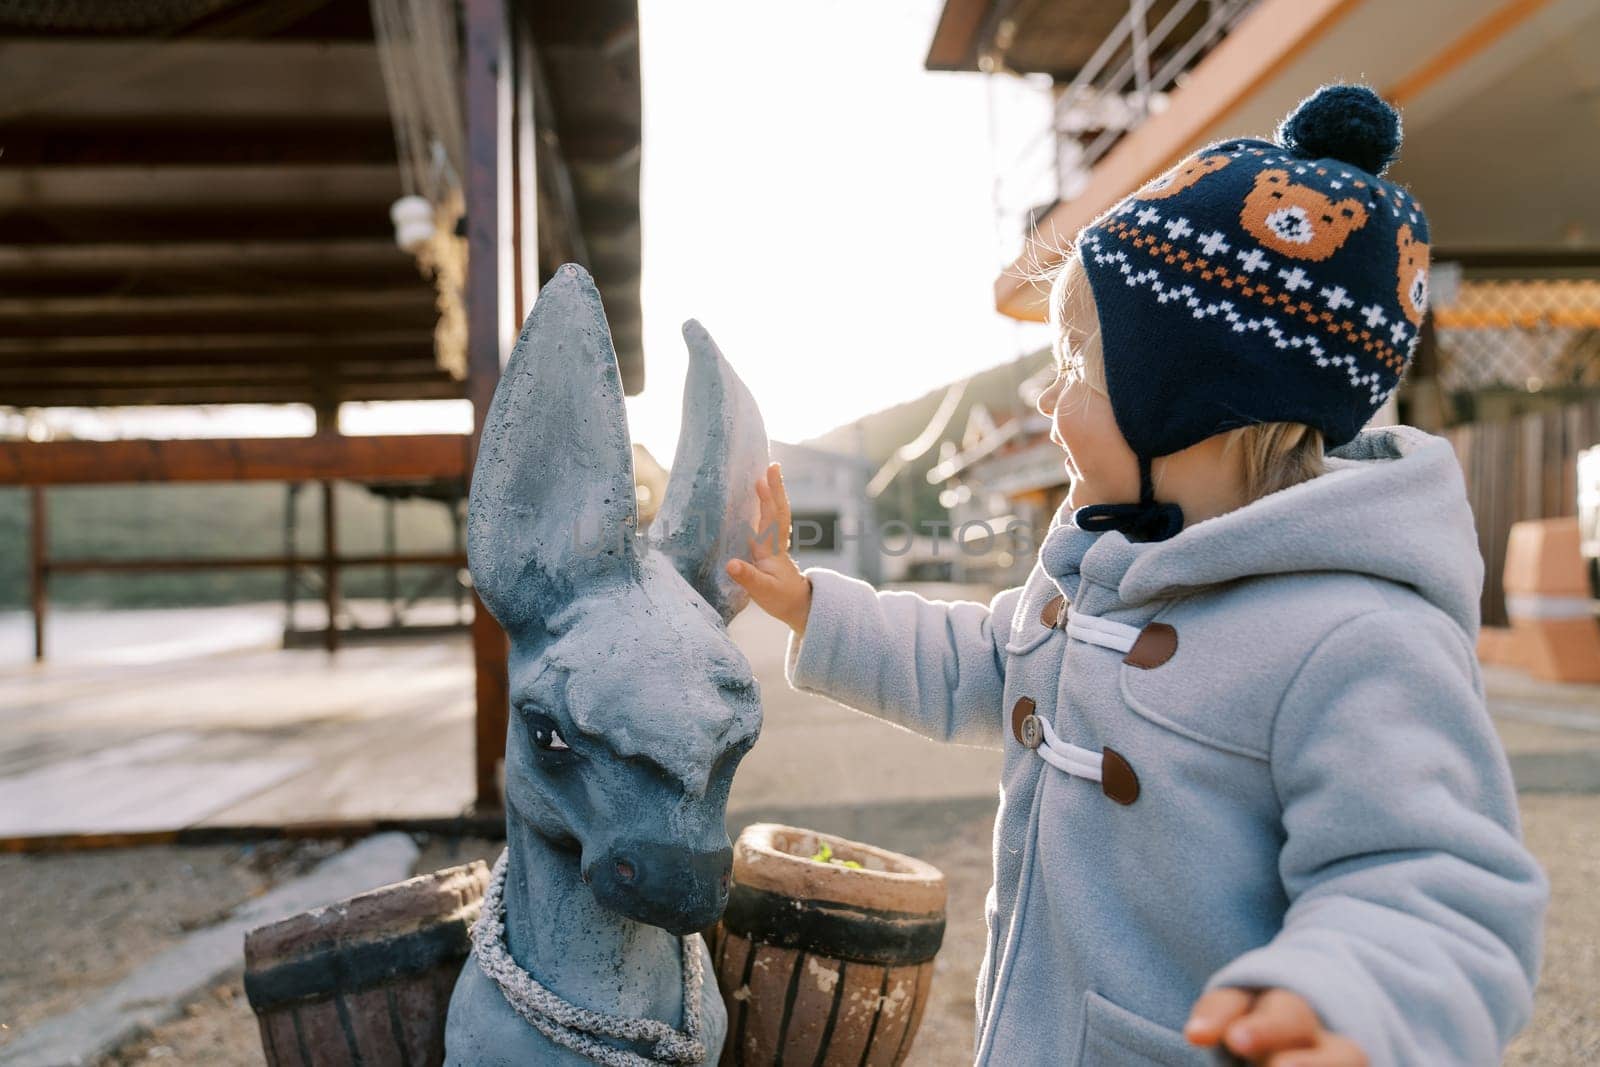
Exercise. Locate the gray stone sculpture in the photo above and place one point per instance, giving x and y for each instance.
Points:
(631, 707)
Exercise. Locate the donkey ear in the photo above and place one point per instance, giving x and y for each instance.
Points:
(710, 510)
(552, 509)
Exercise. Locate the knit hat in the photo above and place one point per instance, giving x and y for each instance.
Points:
(1258, 281)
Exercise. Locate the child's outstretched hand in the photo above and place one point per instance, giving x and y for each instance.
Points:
(774, 581)
(1273, 1027)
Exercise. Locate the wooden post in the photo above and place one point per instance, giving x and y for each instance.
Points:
(38, 552)
(330, 566)
(391, 573)
(489, 239)
(291, 573)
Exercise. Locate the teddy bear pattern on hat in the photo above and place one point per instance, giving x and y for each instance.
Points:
(1263, 281)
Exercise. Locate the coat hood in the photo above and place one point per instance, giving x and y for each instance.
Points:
(1391, 504)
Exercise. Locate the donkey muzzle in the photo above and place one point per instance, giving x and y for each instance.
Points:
(674, 888)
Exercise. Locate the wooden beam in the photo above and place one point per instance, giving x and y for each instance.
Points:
(218, 314)
(155, 376)
(955, 43)
(277, 20)
(395, 298)
(154, 345)
(525, 167)
(275, 459)
(165, 141)
(597, 142)
(221, 222)
(287, 19)
(561, 230)
(602, 25)
(161, 565)
(191, 77)
(219, 367)
(442, 388)
(489, 78)
(199, 255)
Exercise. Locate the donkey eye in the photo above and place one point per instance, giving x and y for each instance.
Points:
(545, 734)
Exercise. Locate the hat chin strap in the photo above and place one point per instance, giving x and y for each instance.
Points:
(1147, 520)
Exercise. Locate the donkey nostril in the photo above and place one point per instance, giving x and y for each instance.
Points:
(625, 870)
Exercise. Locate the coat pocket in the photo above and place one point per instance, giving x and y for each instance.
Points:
(1113, 1036)
(1230, 718)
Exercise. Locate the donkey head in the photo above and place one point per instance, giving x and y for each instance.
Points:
(631, 707)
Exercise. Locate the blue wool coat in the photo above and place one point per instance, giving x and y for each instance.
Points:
(1322, 803)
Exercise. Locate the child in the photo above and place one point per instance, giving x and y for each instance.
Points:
(1251, 796)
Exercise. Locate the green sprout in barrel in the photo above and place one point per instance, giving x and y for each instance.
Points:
(824, 854)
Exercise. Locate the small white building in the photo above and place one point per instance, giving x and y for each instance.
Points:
(834, 522)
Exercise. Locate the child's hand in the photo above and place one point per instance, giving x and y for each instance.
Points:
(1273, 1027)
(774, 582)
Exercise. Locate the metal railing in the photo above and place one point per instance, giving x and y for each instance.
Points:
(1125, 80)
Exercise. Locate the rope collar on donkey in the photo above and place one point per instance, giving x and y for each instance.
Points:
(1145, 521)
(577, 1028)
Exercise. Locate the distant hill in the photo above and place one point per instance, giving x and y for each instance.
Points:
(878, 435)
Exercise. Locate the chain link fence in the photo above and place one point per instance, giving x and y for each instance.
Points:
(1520, 334)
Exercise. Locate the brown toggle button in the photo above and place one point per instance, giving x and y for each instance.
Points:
(1117, 779)
(1157, 643)
(1024, 708)
(1053, 610)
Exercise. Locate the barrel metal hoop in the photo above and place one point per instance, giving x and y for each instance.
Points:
(350, 968)
(838, 931)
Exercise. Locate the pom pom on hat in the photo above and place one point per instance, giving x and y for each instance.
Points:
(1350, 123)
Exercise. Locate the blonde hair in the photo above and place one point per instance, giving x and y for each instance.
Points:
(1276, 455)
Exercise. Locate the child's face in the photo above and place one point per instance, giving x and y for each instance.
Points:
(1102, 466)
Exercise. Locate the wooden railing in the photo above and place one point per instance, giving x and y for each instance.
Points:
(1521, 468)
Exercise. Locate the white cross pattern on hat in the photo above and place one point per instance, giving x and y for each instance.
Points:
(1178, 227)
(1295, 279)
(1253, 260)
(1375, 316)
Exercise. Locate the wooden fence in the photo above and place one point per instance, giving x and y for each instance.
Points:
(1521, 468)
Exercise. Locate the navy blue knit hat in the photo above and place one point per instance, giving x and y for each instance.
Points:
(1258, 281)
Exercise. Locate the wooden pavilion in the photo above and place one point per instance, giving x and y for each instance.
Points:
(194, 209)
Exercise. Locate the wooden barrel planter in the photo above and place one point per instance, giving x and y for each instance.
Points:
(367, 980)
(821, 963)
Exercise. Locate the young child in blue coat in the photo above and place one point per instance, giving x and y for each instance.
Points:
(1251, 796)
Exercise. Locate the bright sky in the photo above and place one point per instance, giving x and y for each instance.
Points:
(820, 202)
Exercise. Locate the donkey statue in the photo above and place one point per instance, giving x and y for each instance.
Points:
(630, 706)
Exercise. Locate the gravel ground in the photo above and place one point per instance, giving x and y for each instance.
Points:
(1564, 832)
(76, 922)
(217, 1029)
(142, 900)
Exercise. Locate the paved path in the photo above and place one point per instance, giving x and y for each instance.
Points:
(154, 720)
(164, 719)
